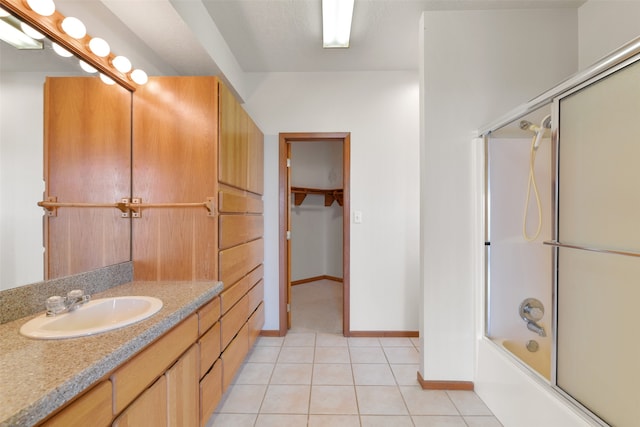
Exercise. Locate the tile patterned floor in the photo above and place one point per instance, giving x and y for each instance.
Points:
(321, 379)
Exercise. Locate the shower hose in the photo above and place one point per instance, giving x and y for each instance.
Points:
(532, 184)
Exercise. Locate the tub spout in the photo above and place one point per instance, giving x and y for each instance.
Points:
(534, 327)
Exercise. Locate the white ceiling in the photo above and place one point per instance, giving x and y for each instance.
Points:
(282, 35)
(224, 37)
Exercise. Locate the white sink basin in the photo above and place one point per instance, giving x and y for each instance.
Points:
(94, 317)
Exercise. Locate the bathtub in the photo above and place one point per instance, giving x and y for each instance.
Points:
(539, 361)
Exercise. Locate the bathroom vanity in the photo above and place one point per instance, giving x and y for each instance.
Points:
(171, 362)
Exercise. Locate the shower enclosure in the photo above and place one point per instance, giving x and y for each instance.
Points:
(565, 304)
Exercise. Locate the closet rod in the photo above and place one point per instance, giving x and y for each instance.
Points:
(585, 248)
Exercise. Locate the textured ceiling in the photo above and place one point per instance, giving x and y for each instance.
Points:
(266, 35)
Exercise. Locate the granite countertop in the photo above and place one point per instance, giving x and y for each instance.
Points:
(39, 376)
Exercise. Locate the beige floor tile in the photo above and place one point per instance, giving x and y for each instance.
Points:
(334, 421)
(300, 339)
(386, 421)
(373, 374)
(332, 374)
(427, 402)
(254, 373)
(281, 420)
(263, 355)
(482, 421)
(292, 373)
(331, 340)
(364, 342)
(332, 355)
(242, 399)
(269, 341)
(406, 374)
(438, 421)
(232, 420)
(367, 355)
(396, 342)
(336, 400)
(398, 355)
(468, 403)
(286, 399)
(296, 355)
(380, 400)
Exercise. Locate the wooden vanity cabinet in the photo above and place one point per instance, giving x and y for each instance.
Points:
(162, 385)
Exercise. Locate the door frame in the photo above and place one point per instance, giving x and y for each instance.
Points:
(284, 201)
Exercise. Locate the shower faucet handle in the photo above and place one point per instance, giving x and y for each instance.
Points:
(531, 310)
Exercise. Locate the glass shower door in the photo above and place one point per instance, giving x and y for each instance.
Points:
(598, 266)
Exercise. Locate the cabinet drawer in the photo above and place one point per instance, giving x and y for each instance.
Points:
(92, 408)
(237, 229)
(236, 262)
(210, 392)
(233, 320)
(150, 409)
(256, 295)
(209, 348)
(208, 315)
(136, 375)
(256, 321)
(233, 356)
(229, 297)
(237, 201)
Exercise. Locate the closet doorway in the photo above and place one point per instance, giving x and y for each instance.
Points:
(332, 189)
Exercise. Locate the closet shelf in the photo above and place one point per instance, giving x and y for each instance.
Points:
(329, 194)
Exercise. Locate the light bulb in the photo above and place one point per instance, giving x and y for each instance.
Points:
(42, 7)
(60, 50)
(99, 47)
(139, 77)
(86, 67)
(74, 27)
(31, 32)
(121, 63)
(106, 79)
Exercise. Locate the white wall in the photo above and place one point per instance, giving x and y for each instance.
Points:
(476, 66)
(605, 25)
(380, 109)
(316, 229)
(21, 182)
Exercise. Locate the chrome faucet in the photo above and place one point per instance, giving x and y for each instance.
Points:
(531, 311)
(57, 305)
(534, 327)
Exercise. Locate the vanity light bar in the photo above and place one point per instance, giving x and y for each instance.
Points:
(52, 26)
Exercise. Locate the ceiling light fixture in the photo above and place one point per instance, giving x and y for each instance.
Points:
(336, 23)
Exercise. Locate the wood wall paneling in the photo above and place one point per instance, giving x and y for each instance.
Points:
(234, 141)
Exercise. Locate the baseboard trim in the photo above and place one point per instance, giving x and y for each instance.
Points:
(384, 334)
(445, 385)
(270, 333)
(315, 279)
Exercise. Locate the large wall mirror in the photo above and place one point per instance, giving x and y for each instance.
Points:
(76, 133)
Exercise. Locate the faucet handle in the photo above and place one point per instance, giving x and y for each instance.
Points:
(55, 304)
(75, 294)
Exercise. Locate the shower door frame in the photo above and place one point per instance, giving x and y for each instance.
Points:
(622, 57)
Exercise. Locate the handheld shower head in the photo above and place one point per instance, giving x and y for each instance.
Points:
(544, 125)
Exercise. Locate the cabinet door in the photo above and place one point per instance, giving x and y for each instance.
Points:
(174, 161)
(150, 409)
(183, 390)
(233, 140)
